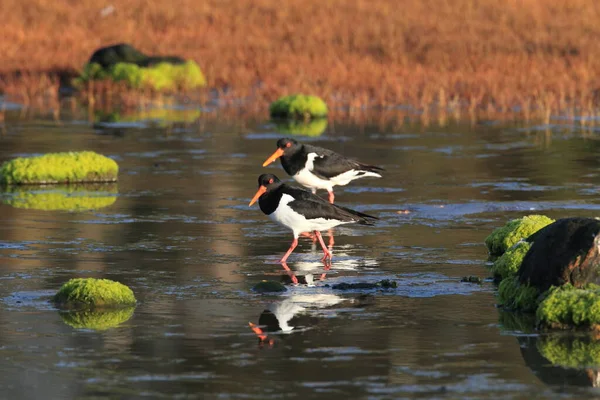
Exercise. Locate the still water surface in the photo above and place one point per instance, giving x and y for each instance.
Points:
(178, 230)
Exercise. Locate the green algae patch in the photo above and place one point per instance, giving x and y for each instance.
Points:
(503, 238)
(91, 292)
(67, 167)
(508, 263)
(62, 197)
(570, 307)
(163, 76)
(298, 106)
(514, 295)
(313, 128)
(98, 319)
(269, 286)
(570, 352)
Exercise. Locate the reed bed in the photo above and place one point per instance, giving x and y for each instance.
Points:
(536, 58)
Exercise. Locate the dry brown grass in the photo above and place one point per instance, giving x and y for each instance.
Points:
(473, 55)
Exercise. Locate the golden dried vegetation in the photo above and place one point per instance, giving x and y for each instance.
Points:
(537, 56)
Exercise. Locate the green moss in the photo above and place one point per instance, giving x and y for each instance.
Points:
(516, 296)
(99, 320)
(508, 263)
(84, 166)
(163, 76)
(63, 197)
(314, 127)
(567, 306)
(91, 292)
(269, 286)
(503, 238)
(570, 352)
(298, 106)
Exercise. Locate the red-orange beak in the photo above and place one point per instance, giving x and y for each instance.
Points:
(278, 153)
(259, 193)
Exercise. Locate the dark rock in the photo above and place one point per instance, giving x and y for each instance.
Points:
(269, 286)
(384, 284)
(471, 279)
(566, 251)
(125, 53)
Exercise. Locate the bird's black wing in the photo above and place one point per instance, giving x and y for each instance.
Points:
(328, 164)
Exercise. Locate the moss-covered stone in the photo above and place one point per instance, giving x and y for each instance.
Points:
(163, 76)
(514, 295)
(269, 286)
(91, 292)
(503, 238)
(313, 128)
(63, 197)
(97, 319)
(68, 167)
(471, 279)
(568, 307)
(508, 263)
(298, 106)
(570, 352)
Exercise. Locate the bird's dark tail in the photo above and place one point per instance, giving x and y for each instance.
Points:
(363, 219)
(371, 168)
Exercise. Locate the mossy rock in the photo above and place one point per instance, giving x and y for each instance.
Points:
(514, 295)
(163, 77)
(570, 307)
(313, 128)
(68, 167)
(298, 106)
(90, 292)
(503, 238)
(63, 197)
(269, 286)
(508, 263)
(97, 319)
(570, 352)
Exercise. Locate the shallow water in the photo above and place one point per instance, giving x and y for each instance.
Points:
(178, 230)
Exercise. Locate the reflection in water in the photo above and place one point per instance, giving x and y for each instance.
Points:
(557, 358)
(98, 319)
(60, 197)
(314, 127)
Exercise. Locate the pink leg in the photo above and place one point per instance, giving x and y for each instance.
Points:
(331, 241)
(325, 251)
(309, 235)
(331, 196)
(290, 272)
(292, 247)
(327, 268)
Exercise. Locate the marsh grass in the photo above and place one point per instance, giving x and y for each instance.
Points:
(455, 58)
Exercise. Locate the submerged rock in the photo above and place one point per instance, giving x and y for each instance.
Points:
(471, 279)
(503, 238)
(566, 251)
(90, 292)
(298, 106)
(384, 284)
(68, 167)
(269, 286)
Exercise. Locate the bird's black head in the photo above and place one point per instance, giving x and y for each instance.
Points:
(266, 182)
(284, 146)
(286, 143)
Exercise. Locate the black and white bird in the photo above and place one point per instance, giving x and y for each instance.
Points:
(318, 168)
(301, 211)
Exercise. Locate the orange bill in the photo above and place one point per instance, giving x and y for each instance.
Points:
(259, 332)
(278, 153)
(259, 193)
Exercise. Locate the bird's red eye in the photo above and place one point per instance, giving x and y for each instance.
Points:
(288, 144)
(271, 180)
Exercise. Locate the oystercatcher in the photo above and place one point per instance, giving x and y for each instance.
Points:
(317, 168)
(302, 211)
